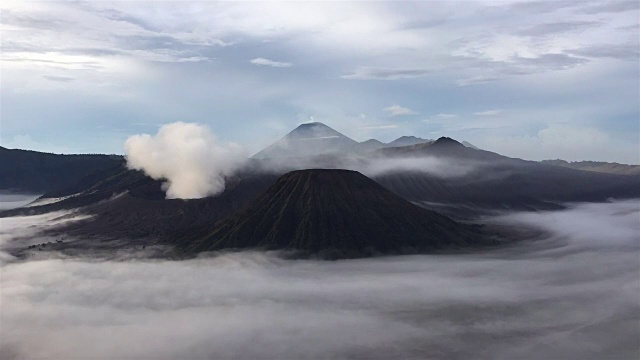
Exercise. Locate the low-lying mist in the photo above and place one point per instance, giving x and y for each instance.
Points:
(573, 294)
(11, 200)
(372, 165)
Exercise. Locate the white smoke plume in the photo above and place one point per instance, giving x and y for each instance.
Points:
(186, 155)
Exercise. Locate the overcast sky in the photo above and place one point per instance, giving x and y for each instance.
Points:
(527, 79)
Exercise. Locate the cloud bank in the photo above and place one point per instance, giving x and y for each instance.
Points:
(187, 156)
(570, 295)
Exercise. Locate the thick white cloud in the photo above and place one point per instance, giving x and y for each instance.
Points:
(188, 156)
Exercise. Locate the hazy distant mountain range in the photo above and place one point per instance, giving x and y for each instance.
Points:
(269, 204)
(37, 172)
(597, 166)
(316, 138)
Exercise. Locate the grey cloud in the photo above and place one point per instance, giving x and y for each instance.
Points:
(517, 65)
(550, 61)
(10, 18)
(99, 52)
(478, 80)
(150, 42)
(611, 7)
(117, 15)
(633, 27)
(373, 73)
(143, 41)
(542, 7)
(558, 27)
(617, 51)
(9, 46)
(59, 78)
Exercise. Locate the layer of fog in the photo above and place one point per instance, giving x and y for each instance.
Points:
(571, 295)
(187, 156)
(10, 200)
(22, 231)
(374, 165)
(438, 167)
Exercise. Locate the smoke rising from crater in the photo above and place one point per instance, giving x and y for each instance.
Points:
(187, 156)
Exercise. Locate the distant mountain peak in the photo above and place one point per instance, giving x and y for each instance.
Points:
(407, 141)
(372, 141)
(309, 139)
(314, 124)
(313, 127)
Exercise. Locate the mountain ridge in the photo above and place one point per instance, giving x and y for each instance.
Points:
(597, 166)
(40, 172)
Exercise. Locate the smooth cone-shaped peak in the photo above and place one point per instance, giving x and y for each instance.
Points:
(313, 129)
(334, 213)
(309, 139)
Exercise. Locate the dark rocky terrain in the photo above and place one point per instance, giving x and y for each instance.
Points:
(332, 213)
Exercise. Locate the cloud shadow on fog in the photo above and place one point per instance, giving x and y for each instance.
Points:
(573, 295)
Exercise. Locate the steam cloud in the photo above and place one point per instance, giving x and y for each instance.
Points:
(188, 156)
(570, 295)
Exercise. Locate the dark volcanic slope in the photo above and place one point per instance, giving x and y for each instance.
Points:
(499, 182)
(32, 171)
(337, 212)
(127, 204)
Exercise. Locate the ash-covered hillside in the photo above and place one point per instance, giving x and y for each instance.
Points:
(333, 213)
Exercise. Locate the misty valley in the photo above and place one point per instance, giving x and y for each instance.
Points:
(318, 246)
